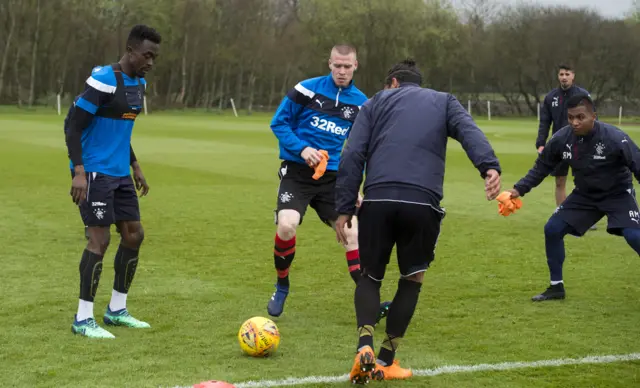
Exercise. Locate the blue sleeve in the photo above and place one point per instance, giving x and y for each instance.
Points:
(352, 162)
(548, 159)
(460, 126)
(284, 119)
(100, 88)
(545, 123)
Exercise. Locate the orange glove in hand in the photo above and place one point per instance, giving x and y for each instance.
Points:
(322, 166)
(506, 204)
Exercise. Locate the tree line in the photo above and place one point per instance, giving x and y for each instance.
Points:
(255, 50)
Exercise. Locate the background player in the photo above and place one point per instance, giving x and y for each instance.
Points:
(98, 131)
(401, 136)
(315, 115)
(603, 158)
(553, 113)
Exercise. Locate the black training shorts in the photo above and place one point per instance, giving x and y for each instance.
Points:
(109, 200)
(413, 228)
(298, 189)
(581, 212)
(562, 169)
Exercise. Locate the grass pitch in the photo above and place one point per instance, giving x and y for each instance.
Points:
(206, 265)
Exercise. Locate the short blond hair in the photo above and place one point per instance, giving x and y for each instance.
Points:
(344, 49)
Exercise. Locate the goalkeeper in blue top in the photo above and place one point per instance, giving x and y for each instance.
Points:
(311, 123)
(98, 131)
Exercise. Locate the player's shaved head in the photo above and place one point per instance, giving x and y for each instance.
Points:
(581, 99)
(344, 49)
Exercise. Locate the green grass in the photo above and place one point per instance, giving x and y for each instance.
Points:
(206, 266)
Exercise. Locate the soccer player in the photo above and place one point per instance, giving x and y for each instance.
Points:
(401, 136)
(553, 112)
(315, 115)
(603, 158)
(98, 131)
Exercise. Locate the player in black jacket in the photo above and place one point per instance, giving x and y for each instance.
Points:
(553, 114)
(603, 159)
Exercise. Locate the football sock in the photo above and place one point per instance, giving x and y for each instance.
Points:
(367, 302)
(353, 262)
(85, 310)
(388, 350)
(400, 313)
(118, 301)
(554, 232)
(366, 336)
(90, 271)
(633, 238)
(283, 254)
(125, 265)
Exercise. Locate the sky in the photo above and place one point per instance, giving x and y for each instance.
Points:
(609, 8)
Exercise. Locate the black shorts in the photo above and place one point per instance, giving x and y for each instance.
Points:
(413, 228)
(581, 212)
(109, 200)
(562, 169)
(298, 189)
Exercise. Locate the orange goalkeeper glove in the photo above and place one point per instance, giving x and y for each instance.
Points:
(322, 166)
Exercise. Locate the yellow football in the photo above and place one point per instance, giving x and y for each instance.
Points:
(259, 337)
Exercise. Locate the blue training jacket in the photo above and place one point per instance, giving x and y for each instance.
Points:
(316, 113)
(106, 142)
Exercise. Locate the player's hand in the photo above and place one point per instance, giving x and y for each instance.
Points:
(540, 149)
(341, 235)
(312, 156)
(359, 201)
(141, 182)
(492, 184)
(514, 193)
(79, 188)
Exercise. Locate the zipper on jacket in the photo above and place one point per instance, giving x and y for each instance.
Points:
(338, 95)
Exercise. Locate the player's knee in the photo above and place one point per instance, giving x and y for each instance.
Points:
(416, 277)
(99, 240)
(288, 221)
(555, 228)
(133, 235)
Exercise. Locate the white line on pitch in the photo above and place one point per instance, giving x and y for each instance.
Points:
(447, 369)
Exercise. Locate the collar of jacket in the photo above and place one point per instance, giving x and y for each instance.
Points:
(587, 138)
(409, 84)
(342, 88)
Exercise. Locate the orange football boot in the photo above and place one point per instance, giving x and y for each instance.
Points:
(391, 372)
(363, 365)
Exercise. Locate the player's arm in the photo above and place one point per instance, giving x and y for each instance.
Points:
(545, 123)
(287, 112)
(352, 161)
(548, 159)
(630, 155)
(460, 126)
(99, 90)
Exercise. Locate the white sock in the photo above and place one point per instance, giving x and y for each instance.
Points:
(118, 301)
(554, 282)
(382, 363)
(85, 310)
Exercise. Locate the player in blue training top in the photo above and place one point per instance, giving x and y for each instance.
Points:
(604, 159)
(98, 131)
(315, 115)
